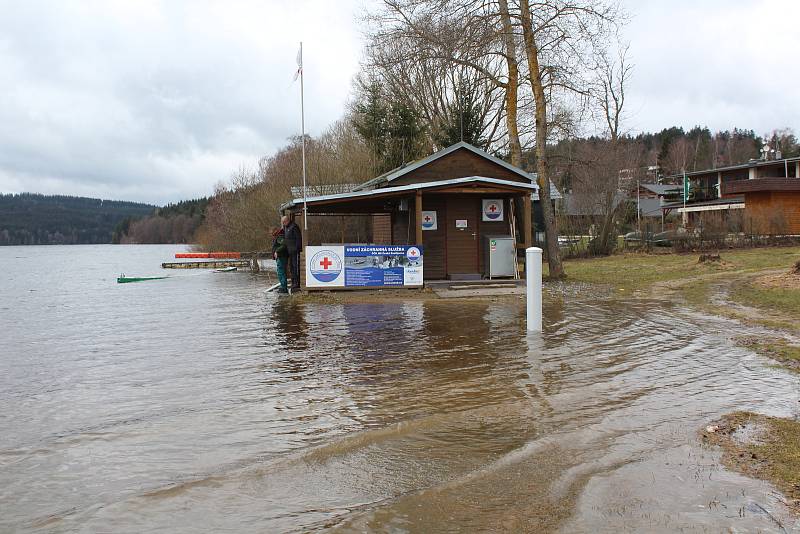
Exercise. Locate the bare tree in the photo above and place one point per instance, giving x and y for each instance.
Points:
(616, 166)
(475, 40)
(543, 176)
(512, 85)
(563, 33)
(735, 147)
(613, 77)
(242, 213)
(558, 37)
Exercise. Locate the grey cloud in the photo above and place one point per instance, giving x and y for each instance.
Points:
(159, 101)
(715, 63)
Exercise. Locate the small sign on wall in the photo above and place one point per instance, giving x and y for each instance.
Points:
(429, 220)
(461, 223)
(492, 210)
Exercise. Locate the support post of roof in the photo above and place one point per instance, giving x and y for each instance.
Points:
(418, 217)
(527, 220)
(302, 223)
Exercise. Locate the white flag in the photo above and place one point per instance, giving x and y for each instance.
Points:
(299, 63)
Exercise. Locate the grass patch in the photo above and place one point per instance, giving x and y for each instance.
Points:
(770, 451)
(632, 271)
(698, 295)
(777, 349)
(774, 299)
(697, 281)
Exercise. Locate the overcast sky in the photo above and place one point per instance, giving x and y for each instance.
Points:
(157, 101)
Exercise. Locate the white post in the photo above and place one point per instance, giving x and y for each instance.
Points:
(533, 282)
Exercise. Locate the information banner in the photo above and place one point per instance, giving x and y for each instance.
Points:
(366, 266)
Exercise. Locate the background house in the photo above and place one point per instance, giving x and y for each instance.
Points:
(761, 196)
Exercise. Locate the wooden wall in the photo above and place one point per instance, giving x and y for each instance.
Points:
(381, 229)
(461, 245)
(402, 231)
(773, 212)
(446, 250)
(434, 241)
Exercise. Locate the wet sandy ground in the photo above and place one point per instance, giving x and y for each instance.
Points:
(419, 416)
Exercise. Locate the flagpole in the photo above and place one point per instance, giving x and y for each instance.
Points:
(303, 138)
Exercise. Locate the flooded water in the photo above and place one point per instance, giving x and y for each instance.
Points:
(201, 403)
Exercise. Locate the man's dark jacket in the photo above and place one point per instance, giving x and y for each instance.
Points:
(293, 239)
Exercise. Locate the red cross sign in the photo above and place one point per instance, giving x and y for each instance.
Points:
(492, 209)
(428, 220)
(325, 263)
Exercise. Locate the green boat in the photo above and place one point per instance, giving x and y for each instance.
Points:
(122, 279)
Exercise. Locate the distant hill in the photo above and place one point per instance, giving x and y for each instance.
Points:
(174, 223)
(33, 219)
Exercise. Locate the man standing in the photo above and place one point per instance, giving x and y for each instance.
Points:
(294, 244)
(281, 255)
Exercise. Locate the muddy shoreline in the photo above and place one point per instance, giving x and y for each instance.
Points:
(762, 447)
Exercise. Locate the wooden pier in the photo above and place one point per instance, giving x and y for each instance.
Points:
(208, 264)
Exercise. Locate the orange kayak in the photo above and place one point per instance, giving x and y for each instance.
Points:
(214, 255)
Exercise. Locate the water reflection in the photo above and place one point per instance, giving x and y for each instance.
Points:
(288, 325)
(248, 411)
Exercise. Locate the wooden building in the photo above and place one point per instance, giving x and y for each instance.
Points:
(772, 205)
(438, 202)
(764, 194)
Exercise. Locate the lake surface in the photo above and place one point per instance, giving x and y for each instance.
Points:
(200, 402)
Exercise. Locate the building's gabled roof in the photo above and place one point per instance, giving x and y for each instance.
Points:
(384, 179)
(406, 188)
(394, 174)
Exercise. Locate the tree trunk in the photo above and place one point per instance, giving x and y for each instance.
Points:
(511, 87)
(551, 232)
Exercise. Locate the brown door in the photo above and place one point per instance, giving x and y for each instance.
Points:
(462, 234)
